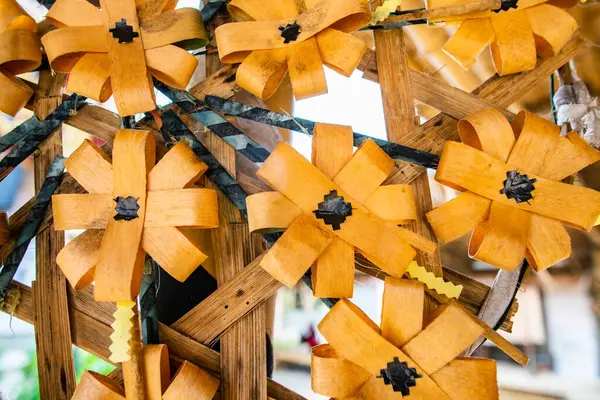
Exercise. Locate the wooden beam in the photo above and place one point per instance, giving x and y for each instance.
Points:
(90, 331)
(400, 120)
(56, 370)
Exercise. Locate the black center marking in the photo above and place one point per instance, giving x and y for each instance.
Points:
(506, 5)
(126, 208)
(518, 187)
(333, 210)
(290, 32)
(400, 376)
(123, 32)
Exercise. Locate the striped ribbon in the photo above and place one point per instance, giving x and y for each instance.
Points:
(37, 135)
(34, 220)
(394, 150)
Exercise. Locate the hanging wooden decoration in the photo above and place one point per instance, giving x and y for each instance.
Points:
(404, 356)
(330, 208)
(188, 382)
(118, 49)
(282, 35)
(516, 33)
(512, 198)
(132, 209)
(20, 52)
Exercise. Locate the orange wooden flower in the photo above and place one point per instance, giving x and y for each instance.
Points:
(117, 49)
(514, 35)
(404, 356)
(20, 52)
(513, 199)
(189, 382)
(132, 208)
(332, 207)
(282, 35)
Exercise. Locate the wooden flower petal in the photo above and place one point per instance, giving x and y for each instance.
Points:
(523, 4)
(132, 88)
(180, 26)
(489, 131)
(444, 338)
(394, 203)
(64, 13)
(502, 240)
(306, 69)
(120, 267)
(262, 71)
(195, 207)
(191, 382)
(356, 338)
(332, 375)
(15, 93)
(79, 257)
(469, 41)
(340, 51)
(13, 17)
(333, 272)
(548, 242)
(571, 154)
(171, 65)
(82, 211)
(173, 250)
(296, 250)
(237, 40)
(459, 216)
(406, 298)
(513, 49)
(94, 386)
(179, 168)
(270, 211)
(536, 139)
(469, 378)
(64, 47)
(473, 170)
(365, 172)
(150, 8)
(552, 28)
(255, 10)
(90, 77)
(157, 370)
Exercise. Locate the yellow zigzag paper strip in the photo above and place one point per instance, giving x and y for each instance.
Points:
(384, 10)
(122, 326)
(419, 273)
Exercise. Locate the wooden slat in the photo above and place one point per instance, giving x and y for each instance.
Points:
(92, 334)
(56, 371)
(400, 120)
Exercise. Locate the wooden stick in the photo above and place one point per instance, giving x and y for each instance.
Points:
(133, 370)
(53, 340)
(448, 11)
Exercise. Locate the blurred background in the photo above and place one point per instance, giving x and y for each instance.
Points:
(557, 324)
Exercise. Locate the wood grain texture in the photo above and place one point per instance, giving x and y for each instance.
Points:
(90, 331)
(400, 120)
(52, 332)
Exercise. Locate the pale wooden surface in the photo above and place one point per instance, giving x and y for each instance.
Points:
(52, 336)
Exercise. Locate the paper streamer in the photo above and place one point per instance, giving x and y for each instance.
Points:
(122, 325)
(433, 282)
(384, 10)
(34, 220)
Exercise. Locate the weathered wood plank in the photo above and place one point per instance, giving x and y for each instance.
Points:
(56, 371)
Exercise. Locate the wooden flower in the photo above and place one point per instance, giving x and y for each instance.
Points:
(20, 52)
(281, 35)
(132, 208)
(117, 49)
(404, 356)
(512, 198)
(189, 382)
(515, 34)
(332, 207)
